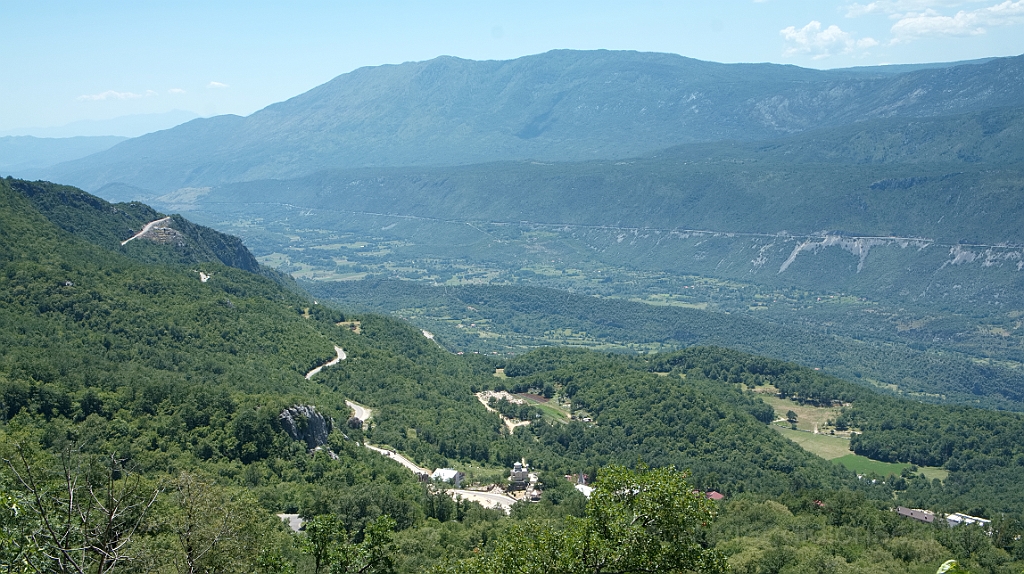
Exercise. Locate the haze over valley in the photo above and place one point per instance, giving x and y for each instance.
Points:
(539, 310)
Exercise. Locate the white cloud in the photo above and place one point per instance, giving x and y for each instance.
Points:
(216, 85)
(112, 95)
(900, 7)
(812, 41)
(912, 26)
(175, 91)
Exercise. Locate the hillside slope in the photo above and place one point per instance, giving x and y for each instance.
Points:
(158, 385)
(199, 369)
(557, 106)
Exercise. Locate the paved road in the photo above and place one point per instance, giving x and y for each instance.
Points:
(486, 499)
(401, 459)
(331, 363)
(359, 411)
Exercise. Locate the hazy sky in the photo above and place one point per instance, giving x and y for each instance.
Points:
(90, 59)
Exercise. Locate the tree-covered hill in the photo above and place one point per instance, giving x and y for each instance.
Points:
(112, 226)
(162, 395)
(558, 106)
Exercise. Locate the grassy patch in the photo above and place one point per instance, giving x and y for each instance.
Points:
(667, 300)
(825, 446)
(933, 472)
(808, 417)
(354, 326)
(837, 449)
(864, 465)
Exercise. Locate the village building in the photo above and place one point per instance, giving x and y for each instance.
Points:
(449, 475)
(519, 479)
(916, 513)
(957, 518)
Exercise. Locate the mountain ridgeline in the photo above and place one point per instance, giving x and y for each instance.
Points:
(557, 106)
(626, 175)
(916, 219)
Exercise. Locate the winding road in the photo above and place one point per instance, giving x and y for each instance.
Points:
(485, 499)
(331, 363)
(400, 459)
(359, 411)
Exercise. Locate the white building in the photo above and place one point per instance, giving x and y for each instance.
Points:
(520, 476)
(448, 475)
(957, 518)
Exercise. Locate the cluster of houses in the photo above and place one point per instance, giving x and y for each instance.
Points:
(954, 519)
(522, 480)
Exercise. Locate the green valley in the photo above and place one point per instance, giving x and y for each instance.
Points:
(123, 360)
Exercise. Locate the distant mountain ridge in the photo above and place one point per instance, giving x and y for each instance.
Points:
(558, 106)
(23, 153)
(948, 179)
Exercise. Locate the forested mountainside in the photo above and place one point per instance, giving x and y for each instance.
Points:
(557, 106)
(111, 226)
(174, 390)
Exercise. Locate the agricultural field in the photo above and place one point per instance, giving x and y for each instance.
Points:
(825, 446)
(864, 465)
(551, 409)
(809, 418)
(837, 450)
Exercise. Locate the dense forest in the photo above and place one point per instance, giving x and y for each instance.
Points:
(145, 427)
(514, 318)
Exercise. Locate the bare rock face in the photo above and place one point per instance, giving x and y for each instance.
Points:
(305, 423)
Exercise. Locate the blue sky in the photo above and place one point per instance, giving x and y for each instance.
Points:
(65, 61)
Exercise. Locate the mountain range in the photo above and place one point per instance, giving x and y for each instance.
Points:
(557, 106)
(629, 172)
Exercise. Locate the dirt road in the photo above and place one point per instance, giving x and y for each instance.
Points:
(484, 396)
(146, 228)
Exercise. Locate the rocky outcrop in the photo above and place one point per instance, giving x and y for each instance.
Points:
(305, 423)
